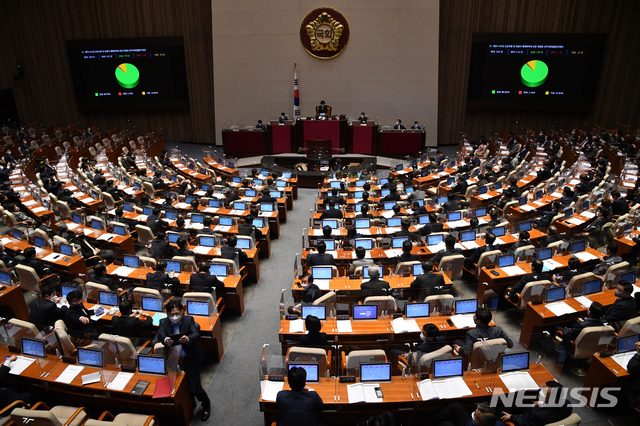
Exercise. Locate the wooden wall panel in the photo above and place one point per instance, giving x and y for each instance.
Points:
(618, 94)
(33, 35)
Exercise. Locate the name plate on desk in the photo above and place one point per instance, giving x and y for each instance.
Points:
(354, 277)
(69, 359)
(291, 317)
(342, 317)
(347, 379)
(275, 377)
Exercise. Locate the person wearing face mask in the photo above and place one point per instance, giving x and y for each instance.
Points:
(569, 335)
(430, 340)
(78, 318)
(191, 352)
(624, 307)
(311, 293)
(551, 407)
(455, 415)
(399, 125)
(44, 312)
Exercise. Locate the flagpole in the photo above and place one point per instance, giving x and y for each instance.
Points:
(296, 94)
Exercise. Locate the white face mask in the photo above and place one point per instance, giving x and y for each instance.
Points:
(423, 337)
(175, 319)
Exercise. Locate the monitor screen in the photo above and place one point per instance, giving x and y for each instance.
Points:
(17, 234)
(367, 243)
(108, 298)
(321, 273)
(544, 253)
(577, 246)
(226, 221)
(33, 347)
(239, 205)
(173, 266)
(286, 175)
(385, 192)
(197, 218)
(524, 226)
(275, 194)
(447, 368)
(539, 194)
(249, 192)
(375, 372)
(214, 203)
(319, 311)
(399, 167)
(127, 207)
(568, 212)
(243, 243)
(207, 241)
(189, 199)
(506, 260)
(311, 368)
(266, 207)
(66, 289)
(119, 230)
(455, 216)
(416, 310)
(593, 286)
(147, 211)
(332, 223)
(423, 220)
(480, 212)
(173, 237)
(38, 242)
(417, 269)
(96, 224)
(258, 222)
(131, 261)
(360, 183)
(384, 181)
(365, 272)
(394, 222)
(627, 343)
(554, 294)
(148, 364)
(365, 312)
(499, 231)
(362, 223)
(482, 190)
(334, 184)
(498, 185)
(280, 184)
(90, 357)
(397, 242)
(468, 236)
(514, 362)
(466, 306)
(5, 278)
(629, 276)
(331, 244)
(197, 308)
(522, 201)
(218, 270)
(388, 205)
(442, 200)
(66, 249)
(171, 215)
(152, 304)
(432, 240)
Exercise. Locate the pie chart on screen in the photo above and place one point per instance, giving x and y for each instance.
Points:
(534, 73)
(127, 75)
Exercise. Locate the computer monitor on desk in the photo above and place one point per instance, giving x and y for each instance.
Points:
(499, 231)
(5, 278)
(174, 266)
(544, 253)
(417, 269)
(266, 207)
(388, 205)
(629, 276)
(506, 260)
(131, 261)
(91, 357)
(593, 286)
(467, 236)
(218, 270)
(447, 368)
(33, 347)
(433, 240)
(363, 223)
(454, 216)
(466, 306)
(66, 249)
(416, 310)
(173, 237)
(225, 221)
(207, 241)
(319, 311)
(365, 273)
(258, 222)
(197, 308)
(397, 242)
(514, 362)
(394, 222)
(151, 304)
(627, 343)
(38, 242)
(107, 298)
(375, 372)
(577, 246)
(554, 294)
(331, 244)
(365, 312)
(311, 368)
(148, 364)
(244, 243)
(322, 272)
(480, 212)
(366, 243)
(332, 223)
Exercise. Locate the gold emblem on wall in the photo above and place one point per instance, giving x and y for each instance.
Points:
(324, 33)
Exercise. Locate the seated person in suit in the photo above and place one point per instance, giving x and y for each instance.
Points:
(418, 210)
(230, 250)
(168, 203)
(322, 110)
(78, 318)
(494, 216)
(8, 260)
(523, 240)
(180, 226)
(404, 229)
(397, 211)
(624, 307)
(552, 236)
(547, 216)
(406, 255)
(363, 118)
(260, 126)
(364, 212)
(203, 282)
(159, 246)
(330, 212)
(321, 257)
(360, 261)
(543, 412)
(9, 393)
(326, 233)
(99, 276)
(619, 206)
(265, 197)
(417, 193)
(153, 220)
(535, 275)
(634, 370)
(128, 324)
(374, 283)
(450, 250)
(611, 259)
(206, 226)
(183, 248)
(416, 126)
(311, 293)
(314, 338)
(399, 125)
(574, 269)
(283, 117)
(41, 269)
(44, 312)
(432, 226)
(430, 340)
(299, 405)
(569, 334)
(392, 196)
(428, 283)
(159, 279)
(247, 228)
(335, 196)
(452, 205)
(483, 331)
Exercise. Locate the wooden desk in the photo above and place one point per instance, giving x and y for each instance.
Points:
(12, 300)
(538, 317)
(604, 372)
(68, 264)
(220, 168)
(118, 243)
(178, 406)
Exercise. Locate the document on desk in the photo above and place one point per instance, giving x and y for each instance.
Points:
(539, 203)
(235, 212)
(120, 381)
(392, 230)
(123, 271)
(5, 241)
(361, 392)
(401, 325)
(69, 374)
(296, 326)
(623, 358)
(387, 214)
(196, 226)
(29, 203)
(584, 301)
(201, 250)
(527, 208)
(182, 205)
(560, 308)
(513, 270)
(575, 221)
(498, 242)
(518, 380)
(436, 248)
(53, 257)
(588, 215)
(72, 225)
(322, 284)
(270, 390)
(87, 231)
(463, 321)
(21, 364)
(585, 256)
(552, 264)
(392, 253)
(457, 224)
(39, 209)
(106, 236)
(344, 326)
(210, 210)
(97, 317)
(470, 245)
(222, 228)
(450, 388)
(484, 196)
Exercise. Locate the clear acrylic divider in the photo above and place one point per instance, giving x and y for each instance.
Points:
(272, 372)
(173, 368)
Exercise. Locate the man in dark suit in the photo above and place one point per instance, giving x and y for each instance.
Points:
(432, 226)
(153, 220)
(452, 205)
(428, 282)
(472, 260)
(611, 259)
(78, 318)
(30, 260)
(335, 197)
(44, 312)
(569, 334)
(99, 276)
(543, 413)
(330, 212)
(321, 257)
(374, 283)
(634, 370)
(159, 246)
(323, 109)
(111, 189)
(283, 117)
(535, 275)
(364, 212)
(415, 126)
(8, 392)
(483, 331)
(247, 228)
(619, 205)
(404, 229)
(299, 405)
(624, 307)
(418, 210)
(449, 250)
(8, 260)
(204, 282)
(399, 125)
(392, 196)
(406, 255)
(191, 352)
(552, 236)
(183, 248)
(230, 250)
(159, 279)
(363, 118)
(128, 324)
(460, 187)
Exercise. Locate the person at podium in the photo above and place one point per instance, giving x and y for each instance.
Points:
(363, 118)
(283, 117)
(260, 126)
(322, 110)
(416, 126)
(399, 125)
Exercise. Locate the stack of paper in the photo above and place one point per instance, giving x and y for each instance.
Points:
(344, 326)
(484, 196)
(361, 392)
(322, 284)
(585, 256)
(623, 358)
(20, 365)
(457, 223)
(393, 252)
(518, 380)
(182, 205)
(527, 208)
(560, 308)
(463, 321)
(201, 250)
(498, 242)
(513, 270)
(401, 325)
(69, 374)
(552, 264)
(436, 248)
(388, 214)
(575, 221)
(270, 390)
(123, 271)
(53, 257)
(210, 210)
(443, 389)
(120, 381)
(296, 326)
(584, 301)
(392, 230)
(106, 236)
(222, 228)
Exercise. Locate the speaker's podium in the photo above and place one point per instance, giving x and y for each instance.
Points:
(319, 152)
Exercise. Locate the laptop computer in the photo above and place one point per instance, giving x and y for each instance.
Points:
(174, 266)
(107, 298)
(554, 294)
(33, 347)
(218, 270)
(506, 260)
(627, 343)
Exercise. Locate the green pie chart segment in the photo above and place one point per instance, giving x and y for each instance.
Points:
(534, 73)
(127, 75)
